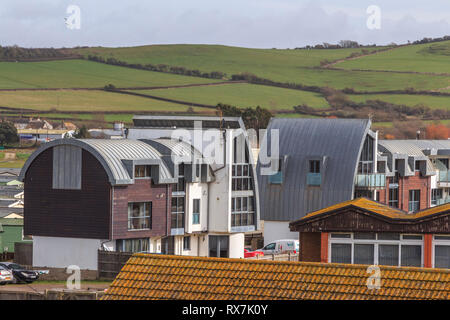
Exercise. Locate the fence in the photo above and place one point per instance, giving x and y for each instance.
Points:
(51, 295)
(5, 256)
(23, 253)
(277, 257)
(110, 263)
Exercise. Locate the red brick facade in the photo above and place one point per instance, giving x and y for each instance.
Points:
(141, 191)
(416, 182)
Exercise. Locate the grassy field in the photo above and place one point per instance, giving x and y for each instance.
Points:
(278, 65)
(84, 74)
(84, 101)
(435, 102)
(434, 57)
(243, 95)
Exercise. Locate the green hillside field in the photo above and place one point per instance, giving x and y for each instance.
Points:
(84, 74)
(434, 57)
(298, 66)
(243, 95)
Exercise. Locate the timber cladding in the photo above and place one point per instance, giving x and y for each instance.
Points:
(52, 212)
(143, 190)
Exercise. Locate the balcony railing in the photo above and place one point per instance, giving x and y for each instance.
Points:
(444, 176)
(276, 178)
(440, 201)
(313, 179)
(372, 180)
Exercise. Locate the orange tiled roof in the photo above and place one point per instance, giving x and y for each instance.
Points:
(379, 208)
(147, 276)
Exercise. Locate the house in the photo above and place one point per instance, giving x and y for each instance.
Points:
(11, 231)
(418, 173)
(44, 135)
(156, 194)
(321, 162)
(363, 231)
(161, 277)
(225, 146)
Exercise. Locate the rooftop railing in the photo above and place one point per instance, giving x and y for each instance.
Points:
(374, 180)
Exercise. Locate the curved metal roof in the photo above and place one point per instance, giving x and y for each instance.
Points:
(110, 154)
(338, 141)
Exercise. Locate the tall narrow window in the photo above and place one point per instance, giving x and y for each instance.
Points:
(218, 246)
(314, 177)
(196, 211)
(393, 197)
(314, 166)
(414, 200)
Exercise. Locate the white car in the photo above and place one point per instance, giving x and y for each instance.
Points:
(281, 246)
(6, 276)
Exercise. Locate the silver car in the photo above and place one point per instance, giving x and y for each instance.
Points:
(6, 276)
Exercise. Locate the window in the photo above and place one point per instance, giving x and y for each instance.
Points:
(242, 211)
(417, 165)
(186, 243)
(388, 254)
(436, 196)
(411, 256)
(180, 187)
(139, 215)
(393, 197)
(67, 161)
(313, 177)
(141, 171)
(364, 254)
(445, 161)
(177, 212)
(270, 246)
(241, 177)
(314, 166)
(442, 251)
(365, 165)
(218, 246)
(390, 249)
(196, 211)
(133, 245)
(341, 253)
(414, 200)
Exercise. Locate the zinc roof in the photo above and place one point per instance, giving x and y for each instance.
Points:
(150, 277)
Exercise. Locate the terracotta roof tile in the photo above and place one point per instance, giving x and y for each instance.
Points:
(147, 276)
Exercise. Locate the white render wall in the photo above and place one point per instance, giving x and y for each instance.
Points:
(55, 252)
(277, 230)
(196, 191)
(236, 246)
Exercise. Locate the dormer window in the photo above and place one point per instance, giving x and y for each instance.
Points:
(141, 171)
(314, 177)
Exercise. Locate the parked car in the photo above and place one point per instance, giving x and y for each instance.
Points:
(20, 273)
(6, 276)
(252, 254)
(281, 246)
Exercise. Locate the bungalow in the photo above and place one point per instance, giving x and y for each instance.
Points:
(363, 231)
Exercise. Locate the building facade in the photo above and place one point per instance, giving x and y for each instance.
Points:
(156, 195)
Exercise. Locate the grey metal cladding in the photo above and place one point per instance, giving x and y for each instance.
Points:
(67, 167)
(338, 141)
(110, 153)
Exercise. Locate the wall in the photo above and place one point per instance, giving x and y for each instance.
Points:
(52, 212)
(141, 191)
(10, 235)
(196, 191)
(277, 230)
(309, 246)
(56, 252)
(237, 245)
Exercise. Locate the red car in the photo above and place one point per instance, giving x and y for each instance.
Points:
(252, 254)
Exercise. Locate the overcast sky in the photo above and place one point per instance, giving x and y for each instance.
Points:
(249, 23)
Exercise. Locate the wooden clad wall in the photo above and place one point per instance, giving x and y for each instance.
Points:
(83, 213)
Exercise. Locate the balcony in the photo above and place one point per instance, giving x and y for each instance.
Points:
(444, 177)
(313, 179)
(440, 201)
(372, 180)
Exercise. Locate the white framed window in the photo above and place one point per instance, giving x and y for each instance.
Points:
(391, 249)
(141, 172)
(441, 251)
